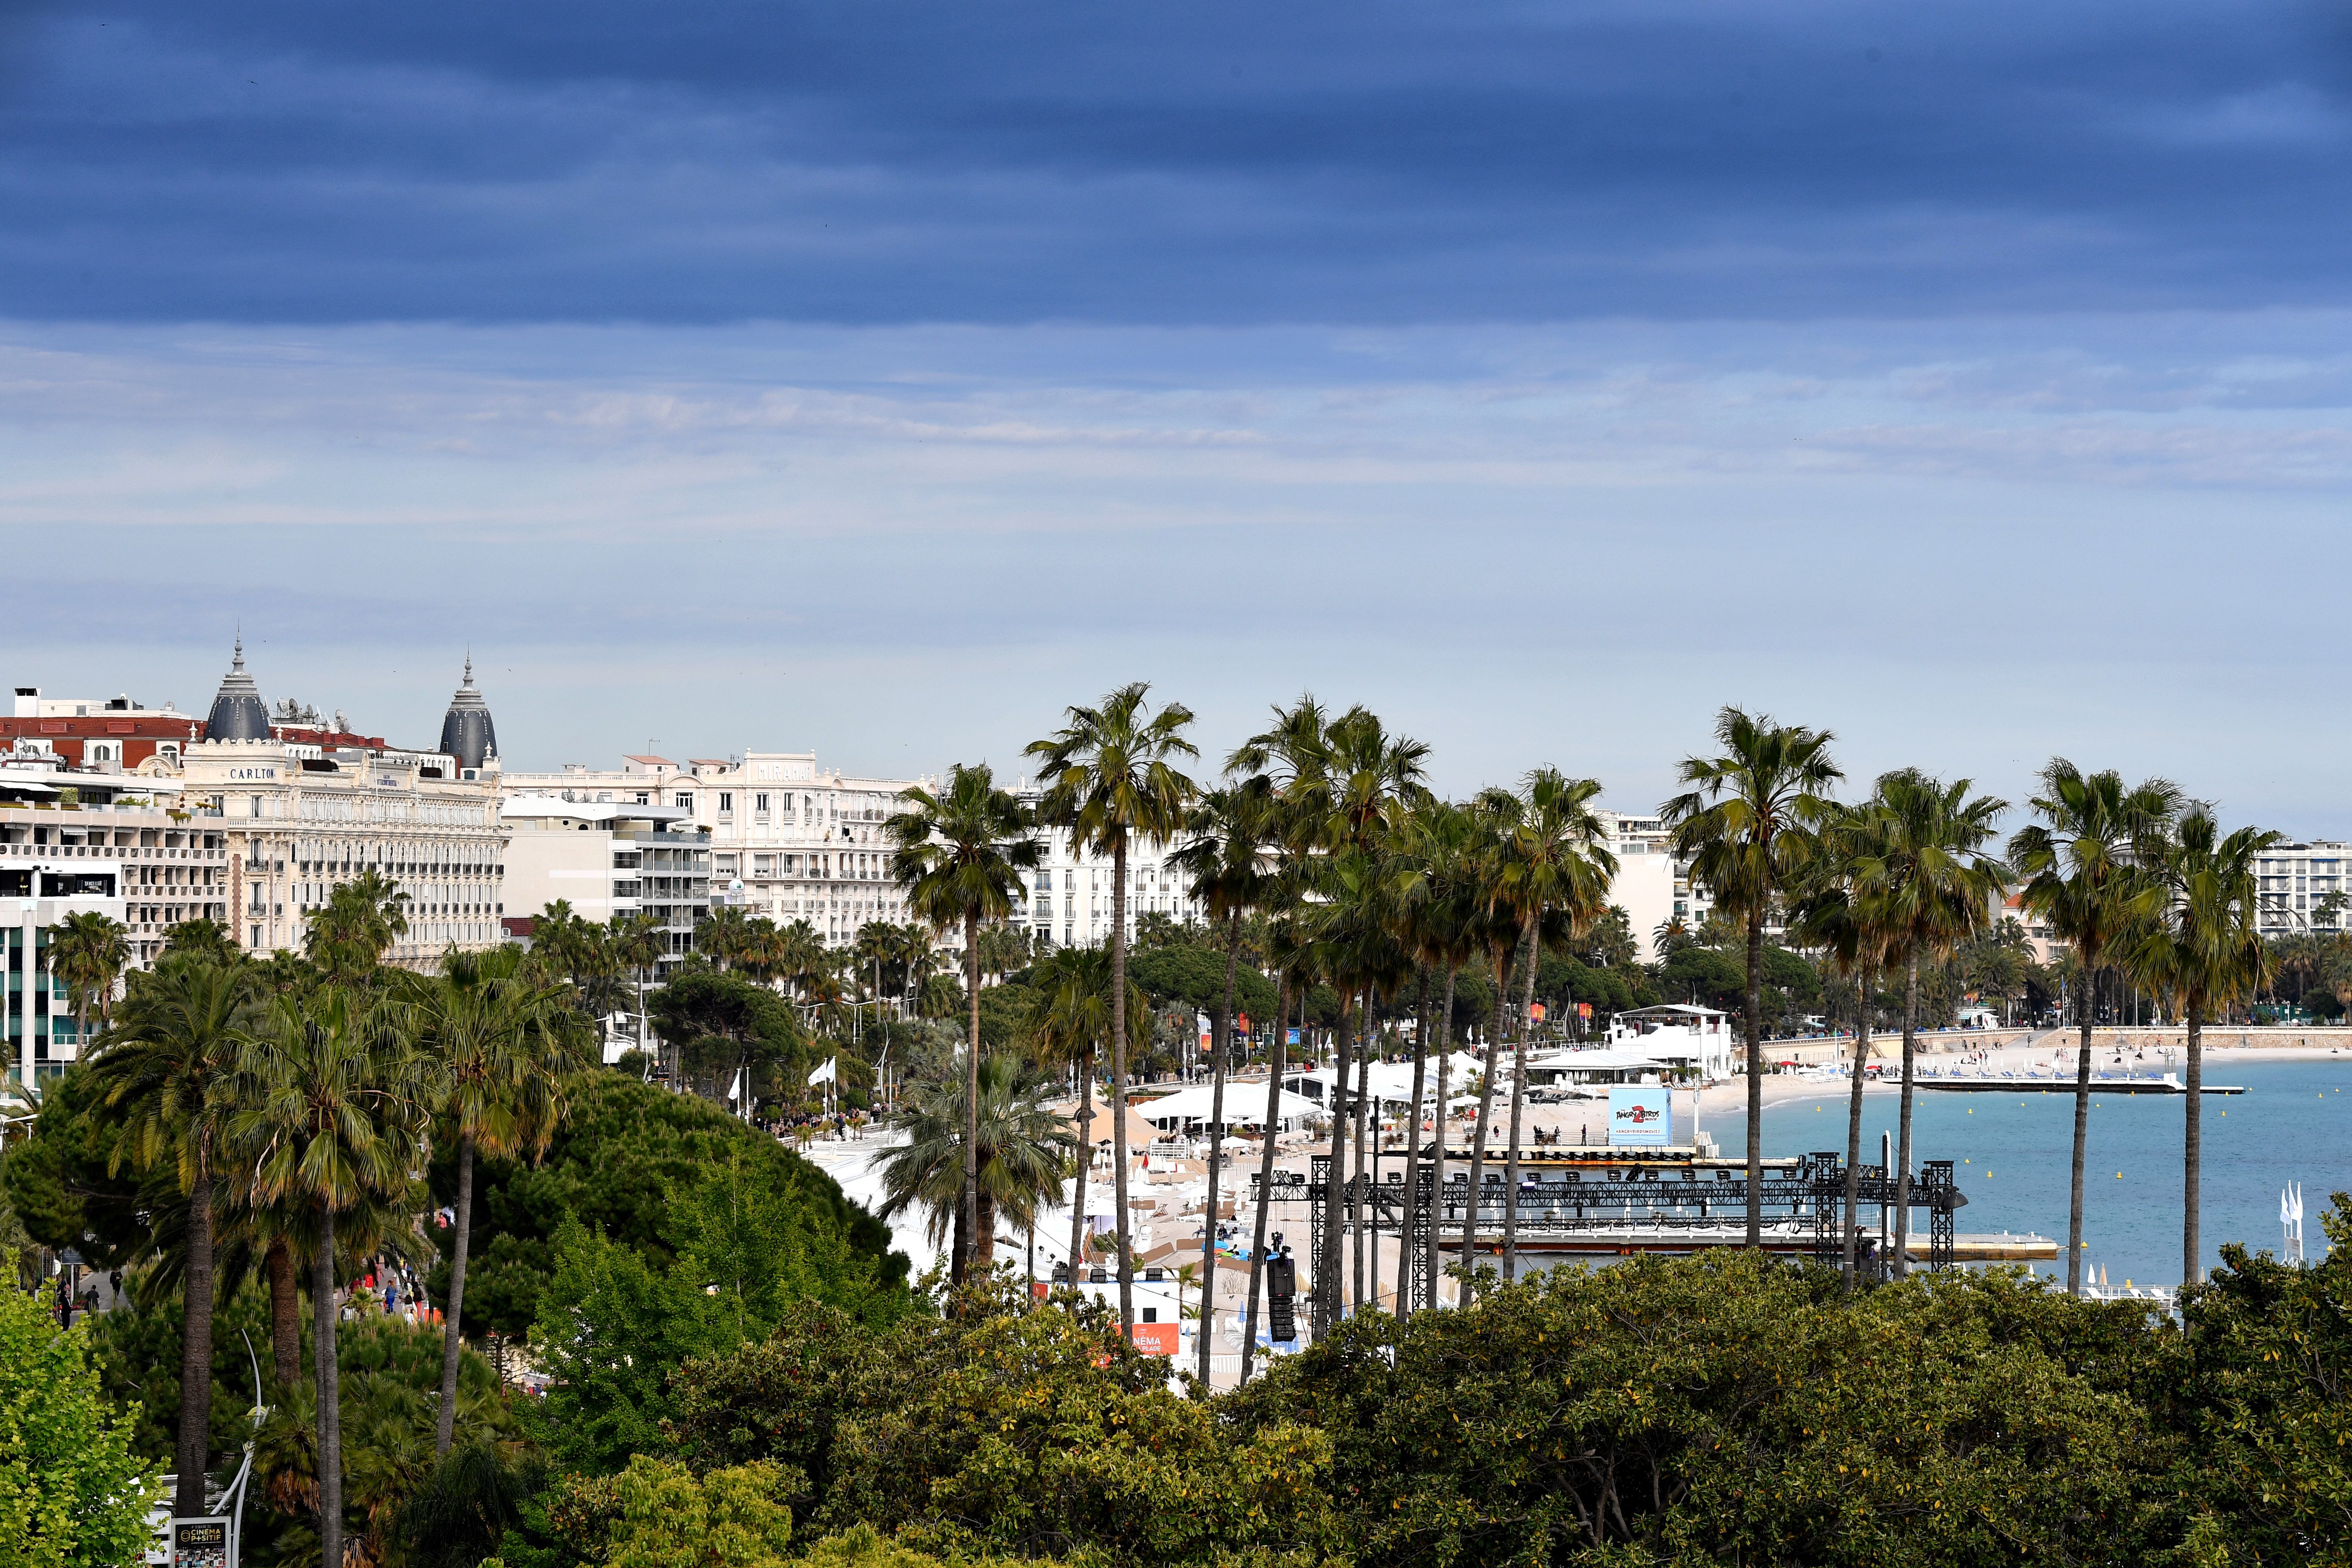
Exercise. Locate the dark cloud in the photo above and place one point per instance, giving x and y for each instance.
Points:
(906, 161)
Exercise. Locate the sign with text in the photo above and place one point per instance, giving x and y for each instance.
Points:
(1640, 1116)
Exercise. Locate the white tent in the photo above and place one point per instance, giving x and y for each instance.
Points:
(1391, 1082)
(1187, 1109)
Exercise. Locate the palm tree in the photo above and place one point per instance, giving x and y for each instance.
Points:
(1438, 860)
(332, 1111)
(1829, 920)
(959, 854)
(86, 953)
(1924, 883)
(1747, 827)
(159, 1066)
(1023, 1149)
(1070, 1027)
(507, 1044)
(2204, 951)
(1110, 780)
(2089, 867)
(639, 942)
(1550, 864)
(1225, 863)
(360, 922)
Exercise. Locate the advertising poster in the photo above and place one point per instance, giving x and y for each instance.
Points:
(1640, 1116)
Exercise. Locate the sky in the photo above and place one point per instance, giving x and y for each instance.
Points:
(880, 379)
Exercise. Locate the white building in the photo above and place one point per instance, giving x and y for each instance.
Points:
(1678, 1036)
(126, 859)
(298, 819)
(607, 861)
(2294, 882)
(1068, 896)
(785, 839)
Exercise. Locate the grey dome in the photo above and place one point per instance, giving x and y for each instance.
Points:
(238, 714)
(467, 733)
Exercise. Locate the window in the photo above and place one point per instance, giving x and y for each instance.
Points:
(685, 801)
(759, 803)
(726, 803)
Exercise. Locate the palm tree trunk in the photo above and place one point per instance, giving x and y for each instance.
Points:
(1852, 1243)
(961, 1268)
(1085, 1159)
(1359, 1195)
(330, 1407)
(446, 1425)
(1902, 1133)
(983, 1234)
(1217, 1135)
(2193, 1146)
(2081, 1142)
(1437, 1161)
(1277, 1057)
(1118, 1082)
(195, 1452)
(1330, 1286)
(1412, 1226)
(1518, 1103)
(1486, 1121)
(285, 1315)
(1755, 1004)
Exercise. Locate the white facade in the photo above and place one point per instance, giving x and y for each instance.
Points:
(787, 839)
(1676, 1036)
(297, 824)
(2295, 879)
(58, 861)
(1068, 897)
(608, 862)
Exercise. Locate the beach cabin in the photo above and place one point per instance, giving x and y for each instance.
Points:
(1681, 1038)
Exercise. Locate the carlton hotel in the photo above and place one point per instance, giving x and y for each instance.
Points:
(305, 807)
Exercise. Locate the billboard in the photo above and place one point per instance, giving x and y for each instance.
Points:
(1640, 1116)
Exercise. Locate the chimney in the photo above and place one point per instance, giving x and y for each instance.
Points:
(28, 703)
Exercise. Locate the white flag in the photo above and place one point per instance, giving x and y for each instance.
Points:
(737, 1091)
(825, 1073)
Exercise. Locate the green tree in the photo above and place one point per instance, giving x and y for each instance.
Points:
(1071, 1023)
(72, 1495)
(505, 1045)
(86, 953)
(959, 855)
(1923, 882)
(161, 1067)
(1747, 826)
(1847, 932)
(1024, 1150)
(2203, 952)
(1110, 781)
(1228, 868)
(361, 919)
(332, 1110)
(1439, 846)
(202, 937)
(1550, 866)
(2086, 867)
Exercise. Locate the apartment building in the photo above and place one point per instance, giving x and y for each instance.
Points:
(135, 862)
(2296, 881)
(608, 861)
(784, 837)
(1066, 901)
(300, 817)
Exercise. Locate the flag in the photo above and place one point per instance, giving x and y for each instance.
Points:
(1244, 1021)
(824, 1074)
(1538, 1011)
(736, 1092)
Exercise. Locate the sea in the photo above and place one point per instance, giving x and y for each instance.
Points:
(2012, 1154)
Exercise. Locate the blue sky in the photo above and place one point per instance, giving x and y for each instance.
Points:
(880, 378)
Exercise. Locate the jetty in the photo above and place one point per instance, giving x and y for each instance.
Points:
(2101, 1083)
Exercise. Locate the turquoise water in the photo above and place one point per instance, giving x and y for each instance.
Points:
(2011, 1152)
